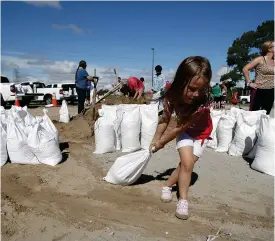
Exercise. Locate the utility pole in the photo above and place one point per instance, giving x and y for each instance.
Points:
(153, 50)
(16, 75)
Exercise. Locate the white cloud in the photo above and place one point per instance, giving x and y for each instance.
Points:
(50, 71)
(72, 27)
(52, 4)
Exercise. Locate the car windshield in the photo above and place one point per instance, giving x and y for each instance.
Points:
(4, 79)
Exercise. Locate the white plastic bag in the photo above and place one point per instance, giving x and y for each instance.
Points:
(264, 157)
(225, 130)
(48, 125)
(245, 134)
(3, 150)
(44, 145)
(128, 168)
(215, 115)
(130, 129)
(149, 123)
(64, 113)
(104, 136)
(18, 149)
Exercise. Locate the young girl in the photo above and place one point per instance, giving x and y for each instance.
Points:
(188, 97)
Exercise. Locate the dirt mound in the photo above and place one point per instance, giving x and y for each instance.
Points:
(116, 100)
(80, 128)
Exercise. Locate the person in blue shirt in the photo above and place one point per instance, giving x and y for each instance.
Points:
(81, 80)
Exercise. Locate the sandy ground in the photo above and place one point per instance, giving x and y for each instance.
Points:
(72, 202)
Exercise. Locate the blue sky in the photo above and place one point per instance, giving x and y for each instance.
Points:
(46, 40)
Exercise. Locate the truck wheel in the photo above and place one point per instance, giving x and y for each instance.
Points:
(3, 103)
(48, 99)
(243, 102)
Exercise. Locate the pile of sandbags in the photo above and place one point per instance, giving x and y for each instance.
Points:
(234, 130)
(129, 128)
(28, 140)
(245, 133)
(125, 127)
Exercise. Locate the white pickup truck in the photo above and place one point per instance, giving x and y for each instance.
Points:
(244, 99)
(9, 90)
(63, 91)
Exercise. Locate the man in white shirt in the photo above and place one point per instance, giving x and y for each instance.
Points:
(158, 80)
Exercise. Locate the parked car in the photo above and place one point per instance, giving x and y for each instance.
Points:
(62, 91)
(67, 91)
(244, 99)
(9, 91)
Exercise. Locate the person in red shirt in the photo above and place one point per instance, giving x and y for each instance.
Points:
(136, 86)
(189, 98)
(235, 97)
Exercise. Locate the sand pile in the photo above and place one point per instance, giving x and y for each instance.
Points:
(80, 128)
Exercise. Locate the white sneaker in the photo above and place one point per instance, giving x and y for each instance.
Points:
(182, 209)
(166, 194)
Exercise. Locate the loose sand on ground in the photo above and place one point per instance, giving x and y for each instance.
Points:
(71, 201)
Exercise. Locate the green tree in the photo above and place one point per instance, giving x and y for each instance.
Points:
(246, 48)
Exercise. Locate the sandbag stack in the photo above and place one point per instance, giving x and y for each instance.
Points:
(28, 140)
(245, 133)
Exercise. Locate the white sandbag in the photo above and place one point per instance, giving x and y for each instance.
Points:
(29, 120)
(252, 153)
(104, 136)
(109, 111)
(3, 150)
(92, 92)
(215, 115)
(264, 158)
(130, 129)
(64, 113)
(156, 100)
(117, 127)
(48, 125)
(3, 118)
(235, 112)
(120, 109)
(128, 168)
(245, 134)
(149, 123)
(225, 130)
(44, 145)
(18, 149)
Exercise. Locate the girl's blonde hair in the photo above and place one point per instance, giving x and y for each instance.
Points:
(266, 46)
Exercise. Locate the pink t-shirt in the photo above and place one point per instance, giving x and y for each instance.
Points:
(200, 129)
(135, 83)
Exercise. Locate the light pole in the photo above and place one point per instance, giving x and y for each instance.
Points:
(153, 50)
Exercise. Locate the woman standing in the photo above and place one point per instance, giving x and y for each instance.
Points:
(81, 79)
(264, 79)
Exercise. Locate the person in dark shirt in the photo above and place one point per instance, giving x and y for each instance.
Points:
(81, 80)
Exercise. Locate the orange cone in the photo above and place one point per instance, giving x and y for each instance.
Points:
(54, 101)
(17, 102)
